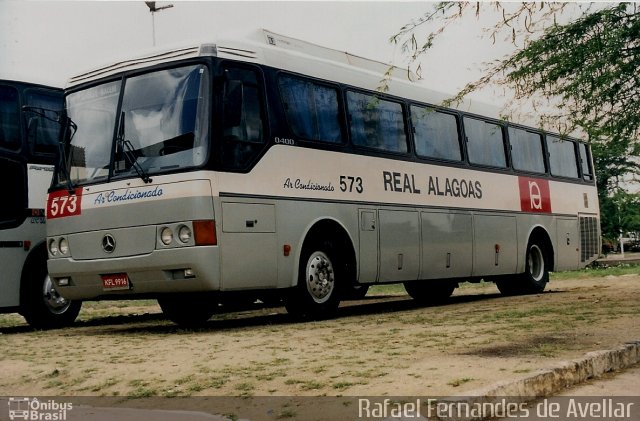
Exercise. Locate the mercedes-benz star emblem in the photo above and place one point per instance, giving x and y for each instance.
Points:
(108, 243)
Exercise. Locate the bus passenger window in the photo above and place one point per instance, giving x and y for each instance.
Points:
(526, 150)
(484, 143)
(436, 134)
(376, 123)
(312, 109)
(562, 157)
(244, 132)
(585, 158)
(9, 118)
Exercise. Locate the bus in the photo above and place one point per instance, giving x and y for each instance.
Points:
(29, 143)
(242, 170)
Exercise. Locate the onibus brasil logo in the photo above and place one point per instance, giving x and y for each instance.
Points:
(32, 409)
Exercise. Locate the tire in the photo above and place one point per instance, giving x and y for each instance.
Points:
(535, 277)
(41, 305)
(317, 294)
(188, 310)
(430, 292)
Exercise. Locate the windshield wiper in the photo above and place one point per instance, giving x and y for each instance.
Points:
(69, 129)
(130, 156)
(129, 152)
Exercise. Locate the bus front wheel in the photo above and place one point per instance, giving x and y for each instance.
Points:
(535, 277)
(316, 296)
(41, 305)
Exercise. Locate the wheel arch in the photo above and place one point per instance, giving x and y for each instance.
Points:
(540, 235)
(328, 228)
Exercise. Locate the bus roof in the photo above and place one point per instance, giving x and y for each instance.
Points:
(298, 56)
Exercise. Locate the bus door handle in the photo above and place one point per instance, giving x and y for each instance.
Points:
(251, 223)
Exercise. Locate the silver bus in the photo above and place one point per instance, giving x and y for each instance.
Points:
(29, 133)
(242, 170)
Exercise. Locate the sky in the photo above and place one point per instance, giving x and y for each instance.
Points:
(49, 41)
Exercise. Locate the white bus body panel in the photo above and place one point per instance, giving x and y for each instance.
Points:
(409, 221)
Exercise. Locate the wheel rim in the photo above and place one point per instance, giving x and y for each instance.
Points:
(536, 263)
(52, 300)
(320, 277)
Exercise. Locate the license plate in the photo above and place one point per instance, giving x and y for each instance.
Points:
(115, 281)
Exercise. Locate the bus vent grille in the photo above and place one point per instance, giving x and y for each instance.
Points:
(589, 238)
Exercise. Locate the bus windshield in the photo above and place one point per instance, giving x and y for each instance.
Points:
(159, 125)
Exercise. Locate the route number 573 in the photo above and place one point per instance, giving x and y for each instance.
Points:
(61, 203)
(349, 184)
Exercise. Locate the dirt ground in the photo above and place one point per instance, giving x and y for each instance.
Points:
(382, 345)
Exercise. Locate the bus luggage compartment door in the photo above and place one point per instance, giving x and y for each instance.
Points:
(368, 252)
(446, 245)
(248, 246)
(399, 245)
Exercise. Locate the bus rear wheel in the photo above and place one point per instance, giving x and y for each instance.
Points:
(317, 295)
(430, 292)
(42, 306)
(535, 277)
(188, 309)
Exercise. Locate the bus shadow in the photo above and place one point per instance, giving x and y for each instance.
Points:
(231, 321)
(257, 315)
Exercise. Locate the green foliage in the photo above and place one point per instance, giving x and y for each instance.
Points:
(620, 213)
(593, 65)
(586, 71)
(579, 75)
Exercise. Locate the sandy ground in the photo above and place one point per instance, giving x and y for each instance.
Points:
(378, 346)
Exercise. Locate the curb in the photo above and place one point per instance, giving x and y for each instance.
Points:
(570, 373)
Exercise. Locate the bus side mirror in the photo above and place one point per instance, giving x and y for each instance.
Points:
(232, 104)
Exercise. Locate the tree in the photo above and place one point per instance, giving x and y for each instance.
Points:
(577, 66)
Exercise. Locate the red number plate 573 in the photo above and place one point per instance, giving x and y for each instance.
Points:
(115, 281)
(61, 203)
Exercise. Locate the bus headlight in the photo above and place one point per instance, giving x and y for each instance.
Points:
(53, 247)
(166, 236)
(63, 246)
(184, 234)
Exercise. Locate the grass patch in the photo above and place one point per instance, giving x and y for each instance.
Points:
(597, 271)
(459, 382)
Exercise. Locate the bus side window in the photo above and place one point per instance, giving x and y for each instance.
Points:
(585, 158)
(485, 144)
(527, 153)
(562, 157)
(243, 113)
(9, 118)
(312, 109)
(376, 123)
(435, 134)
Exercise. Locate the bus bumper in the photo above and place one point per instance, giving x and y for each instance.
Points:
(188, 269)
